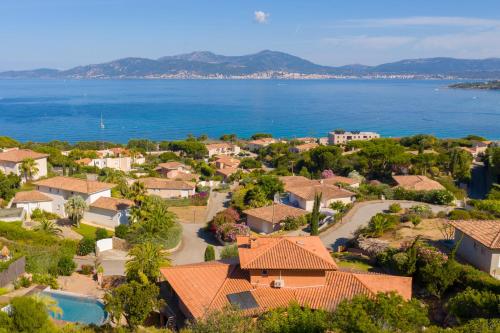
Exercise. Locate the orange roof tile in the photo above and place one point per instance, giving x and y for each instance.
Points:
(205, 286)
(179, 175)
(166, 184)
(31, 196)
(339, 179)
(112, 204)
(84, 161)
(417, 183)
(328, 192)
(19, 155)
(275, 213)
(486, 232)
(172, 165)
(294, 181)
(75, 184)
(301, 253)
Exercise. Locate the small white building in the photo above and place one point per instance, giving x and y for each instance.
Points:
(343, 137)
(31, 200)
(11, 160)
(60, 189)
(222, 148)
(303, 196)
(167, 188)
(109, 212)
(117, 163)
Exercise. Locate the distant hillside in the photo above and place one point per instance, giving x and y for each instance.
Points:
(490, 85)
(264, 64)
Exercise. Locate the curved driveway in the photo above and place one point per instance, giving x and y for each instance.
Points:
(195, 239)
(359, 217)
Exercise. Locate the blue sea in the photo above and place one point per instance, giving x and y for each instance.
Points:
(70, 110)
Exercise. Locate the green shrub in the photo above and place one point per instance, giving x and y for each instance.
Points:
(293, 223)
(66, 266)
(209, 253)
(395, 208)
(230, 251)
(121, 231)
(85, 246)
(101, 233)
(379, 224)
(423, 211)
(491, 206)
(29, 315)
(476, 279)
(415, 219)
(87, 269)
(37, 215)
(472, 303)
(459, 214)
(46, 279)
(438, 197)
(22, 282)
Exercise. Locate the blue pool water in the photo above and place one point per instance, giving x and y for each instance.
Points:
(79, 309)
(70, 110)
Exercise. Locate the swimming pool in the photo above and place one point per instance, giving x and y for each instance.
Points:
(79, 309)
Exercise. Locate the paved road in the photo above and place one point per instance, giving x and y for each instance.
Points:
(359, 218)
(194, 238)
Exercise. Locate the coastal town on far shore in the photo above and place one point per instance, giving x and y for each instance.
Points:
(199, 233)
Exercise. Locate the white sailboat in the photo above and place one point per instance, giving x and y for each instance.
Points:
(102, 123)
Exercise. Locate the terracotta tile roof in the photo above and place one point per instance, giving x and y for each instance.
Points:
(339, 179)
(486, 232)
(263, 141)
(18, 155)
(180, 175)
(84, 161)
(306, 139)
(112, 204)
(75, 184)
(226, 172)
(204, 287)
(417, 183)
(298, 253)
(172, 165)
(328, 192)
(295, 181)
(220, 145)
(228, 161)
(278, 211)
(31, 196)
(166, 184)
(304, 147)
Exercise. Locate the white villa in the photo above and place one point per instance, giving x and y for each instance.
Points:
(109, 212)
(60, 188)
(11, 160)
(223, 148)
(342, 137)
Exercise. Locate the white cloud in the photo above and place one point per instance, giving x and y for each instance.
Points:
(449, 21)
(261, 17)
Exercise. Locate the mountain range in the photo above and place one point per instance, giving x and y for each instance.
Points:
(264, 64)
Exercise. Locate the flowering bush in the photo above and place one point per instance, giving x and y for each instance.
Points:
(327, 174)
(199, 199)
(227, 232)
(227, 216)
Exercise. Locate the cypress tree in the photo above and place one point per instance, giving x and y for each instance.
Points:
(209, 253)
(315, 215)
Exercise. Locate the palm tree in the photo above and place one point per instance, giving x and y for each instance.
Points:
(29, 168)
(147, 259)
(137, 192)
(50, 304)
(75, 207)
(48, 227)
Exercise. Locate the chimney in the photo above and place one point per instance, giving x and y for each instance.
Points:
(253, 242)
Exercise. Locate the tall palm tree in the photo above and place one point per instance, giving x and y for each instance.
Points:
(48, 227)
(146, 261)
(75, 207)
(29, 168)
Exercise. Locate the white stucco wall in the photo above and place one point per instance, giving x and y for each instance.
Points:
(30, 206)
(166, 194)
(259, 225)
(478, 255)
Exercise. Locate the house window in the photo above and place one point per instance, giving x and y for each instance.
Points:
(264, 272)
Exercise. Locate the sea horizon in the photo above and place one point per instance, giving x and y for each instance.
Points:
(70, 110)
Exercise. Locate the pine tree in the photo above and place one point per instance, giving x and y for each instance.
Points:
(209, 253)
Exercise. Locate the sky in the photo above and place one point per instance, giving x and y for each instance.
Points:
(66, 33)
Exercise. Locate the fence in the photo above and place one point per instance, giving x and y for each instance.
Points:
(15, 269)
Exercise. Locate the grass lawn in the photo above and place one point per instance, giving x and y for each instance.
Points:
(352, 261)
(87, 230)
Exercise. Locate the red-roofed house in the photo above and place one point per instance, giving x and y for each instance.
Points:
(479, 244)
(272, 272)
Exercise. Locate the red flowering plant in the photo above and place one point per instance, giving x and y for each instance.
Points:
(327, 174)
